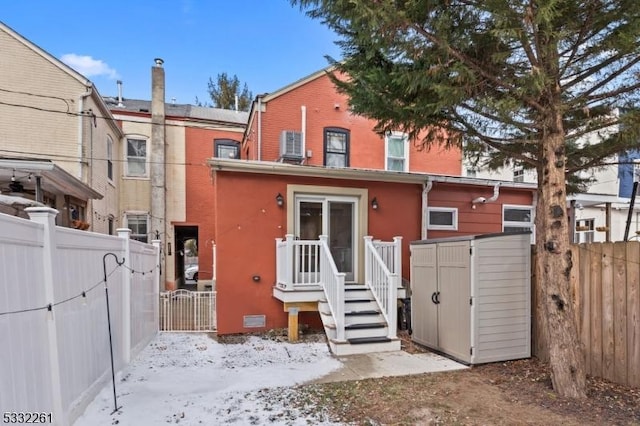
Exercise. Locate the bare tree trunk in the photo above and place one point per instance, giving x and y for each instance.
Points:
(553, 269)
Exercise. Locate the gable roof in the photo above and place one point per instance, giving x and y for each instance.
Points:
(304, 80)
(266, 97)
(91, 88)
(37, 49)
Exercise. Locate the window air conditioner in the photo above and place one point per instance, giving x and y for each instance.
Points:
(291, 144)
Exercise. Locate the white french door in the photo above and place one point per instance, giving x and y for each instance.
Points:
(335, 217)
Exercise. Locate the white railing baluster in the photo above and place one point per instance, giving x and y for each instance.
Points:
(383, 269)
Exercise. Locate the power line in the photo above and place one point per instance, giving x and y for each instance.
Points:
(112, 116)
(70, 158)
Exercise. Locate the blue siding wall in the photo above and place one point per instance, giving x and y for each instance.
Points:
(625, 172)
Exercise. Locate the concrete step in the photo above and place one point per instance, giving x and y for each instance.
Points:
(346, 348)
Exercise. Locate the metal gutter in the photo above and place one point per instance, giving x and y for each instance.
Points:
(276, 168)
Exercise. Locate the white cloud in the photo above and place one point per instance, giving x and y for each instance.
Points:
(88, 66)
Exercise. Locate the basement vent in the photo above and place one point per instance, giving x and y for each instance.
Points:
(254, 321)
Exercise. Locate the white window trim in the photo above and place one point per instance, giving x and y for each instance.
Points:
(110, 158)
(530, 224)
(137, 213)
(406, 150)
(126, 156)
(518, 174)
(452, 210)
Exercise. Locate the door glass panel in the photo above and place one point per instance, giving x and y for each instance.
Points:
(341, 236)
(310, 229)
(310, 220)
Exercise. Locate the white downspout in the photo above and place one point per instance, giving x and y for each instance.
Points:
(426, 187)
(496, 193)
(303, 128)
(81, 129)
(259, 154)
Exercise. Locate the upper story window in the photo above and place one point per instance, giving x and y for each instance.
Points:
(109, 157)
(226, 148)
(138, 223)
(518, 174)
(136, 157)
(442, 218)
(397, 152)
(336, 147)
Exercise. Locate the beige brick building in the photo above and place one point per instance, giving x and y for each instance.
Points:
(51, 113)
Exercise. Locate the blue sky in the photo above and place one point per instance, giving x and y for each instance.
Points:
(266, 43)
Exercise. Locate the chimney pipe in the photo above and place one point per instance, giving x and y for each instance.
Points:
(120, 104)
(158, 155)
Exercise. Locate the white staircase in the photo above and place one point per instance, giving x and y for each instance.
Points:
(366, 329)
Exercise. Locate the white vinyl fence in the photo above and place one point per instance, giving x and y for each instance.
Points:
(55, 354)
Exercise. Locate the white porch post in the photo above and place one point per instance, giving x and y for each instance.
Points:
(289, 262)
(397, 256)
(125, 234)
(393, 305)
(47, 217)
(156, 276)
(393, 288)
(368, 240)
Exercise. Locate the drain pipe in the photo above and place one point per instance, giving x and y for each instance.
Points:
(496, 193)
(426, 187)
(483, 200)
(303, 128)
(81, 116)
(259, 153)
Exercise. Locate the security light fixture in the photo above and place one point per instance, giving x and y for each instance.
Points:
(374, 203)
(280, 200)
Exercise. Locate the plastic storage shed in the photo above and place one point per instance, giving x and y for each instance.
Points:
(471, 296)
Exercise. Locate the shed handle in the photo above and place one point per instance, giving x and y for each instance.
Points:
(435, 297)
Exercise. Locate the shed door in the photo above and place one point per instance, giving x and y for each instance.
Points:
(424, 284)
(454, 310)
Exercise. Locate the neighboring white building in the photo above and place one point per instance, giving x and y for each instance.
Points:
(601, 213)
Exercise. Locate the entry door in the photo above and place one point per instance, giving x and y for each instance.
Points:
(335, 217)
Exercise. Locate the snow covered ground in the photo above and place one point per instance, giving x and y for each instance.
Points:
(191, 379)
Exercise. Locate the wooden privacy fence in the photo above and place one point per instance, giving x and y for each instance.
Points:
(184, 310)
(606, 286)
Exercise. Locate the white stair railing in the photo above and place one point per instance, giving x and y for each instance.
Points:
(333, 285)
(391, 254)
(382, 282)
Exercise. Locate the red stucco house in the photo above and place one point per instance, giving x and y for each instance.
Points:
(313, 223)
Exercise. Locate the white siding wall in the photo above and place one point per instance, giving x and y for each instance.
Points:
(37, 122)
